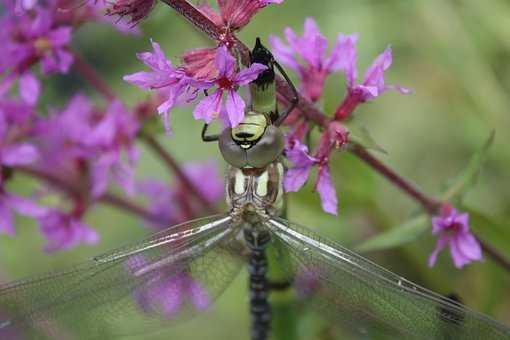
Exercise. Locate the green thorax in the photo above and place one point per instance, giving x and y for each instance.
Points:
(263, 98)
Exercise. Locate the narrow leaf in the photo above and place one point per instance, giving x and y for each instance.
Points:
(405, 233)
(360, 135)
(464, 181)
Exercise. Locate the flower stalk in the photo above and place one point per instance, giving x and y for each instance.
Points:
(107, 198)
(430, 204)
(173, 165)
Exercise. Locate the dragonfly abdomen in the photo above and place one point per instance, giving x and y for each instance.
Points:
(260, 310)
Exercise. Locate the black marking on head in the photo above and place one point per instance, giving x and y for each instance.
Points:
(262, 55)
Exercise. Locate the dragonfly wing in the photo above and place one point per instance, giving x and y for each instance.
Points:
(371, 301)
(170, 276)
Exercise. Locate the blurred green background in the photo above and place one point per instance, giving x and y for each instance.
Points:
(456, 57)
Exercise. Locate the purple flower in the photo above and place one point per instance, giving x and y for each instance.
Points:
(65, 231)
(136, 10)
(235, 14)
(115, 132)
(226, 82)
(453, 230)
(22, 206)
(168, 295)
(174, 203)
(61, 139)
(28, 38)
(24, 5)
(12, 152)
(297, 176)
(327, 191)
(307, 282)
(81, 135)
(373, 83)
(164, 76)
(311, 49)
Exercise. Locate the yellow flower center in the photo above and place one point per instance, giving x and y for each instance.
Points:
(42, 45)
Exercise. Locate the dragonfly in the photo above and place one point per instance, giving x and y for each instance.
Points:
(134, 289)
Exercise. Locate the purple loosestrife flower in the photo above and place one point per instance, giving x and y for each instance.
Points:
(21, 6)
(65, 231)
(235, 14)
(20, 205)
(453, 231)
(227, 81)
(306, 55)
(12, 152)
(176, 84)
(81, 137)
(297, 176)
(173, 203)
(168, 292)
(373, 83)
(27, 39)
(60, 139)
(113, 134)
(136, 10)
(335, 136)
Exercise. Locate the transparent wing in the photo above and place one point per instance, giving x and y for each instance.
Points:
(139, 288)
(372, 302)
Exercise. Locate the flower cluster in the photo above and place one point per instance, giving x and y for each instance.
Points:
(307, 56)
(178, 86)
(173, 204)
(452, 228)
(78, 152)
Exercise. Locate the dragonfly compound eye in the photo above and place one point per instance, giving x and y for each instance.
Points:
(245, 152)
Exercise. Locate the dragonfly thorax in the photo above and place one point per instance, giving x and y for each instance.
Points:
(258, 191)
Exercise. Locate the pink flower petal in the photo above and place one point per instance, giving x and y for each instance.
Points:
(235, 108)
(26, 207)
(327, 191)
(374, 76)
(224, 61)
(6, 220)
(284, 54)
(296, 177)
(249, 74)
(344, 56)
(209, 107)
(468, 245)
(19, 154)
(198, 295)
(440, 244)
(29, 88)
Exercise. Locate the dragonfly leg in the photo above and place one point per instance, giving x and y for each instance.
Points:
(206, 137)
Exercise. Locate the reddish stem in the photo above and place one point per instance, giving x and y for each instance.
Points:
(107, 198)
(349, 104)
(174, 166)
(430, 204)
(90, 74)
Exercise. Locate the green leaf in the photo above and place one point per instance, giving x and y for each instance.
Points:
(405, 233)
(360, 135)
(464, 181)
